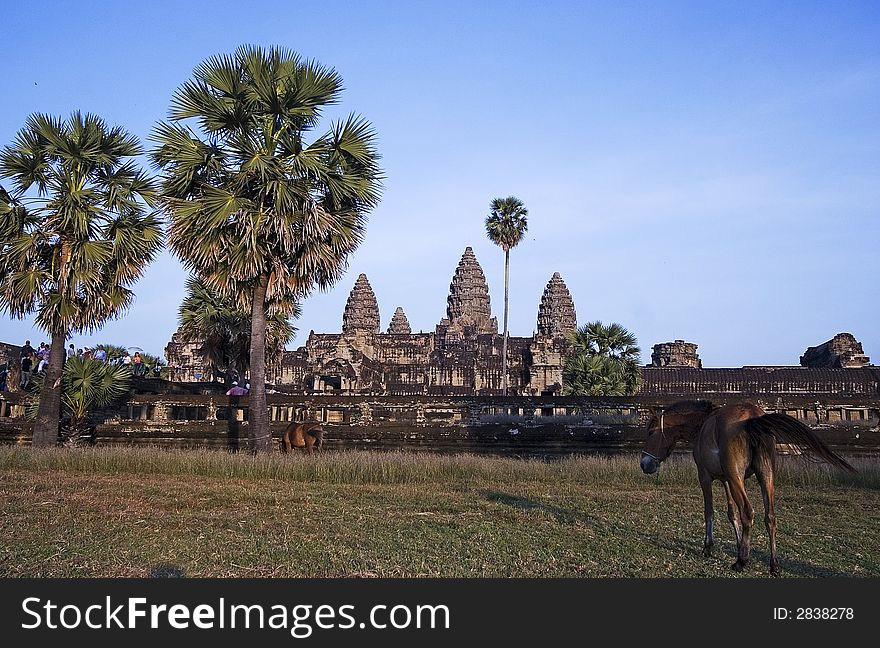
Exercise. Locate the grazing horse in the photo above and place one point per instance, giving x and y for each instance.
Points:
(307, 435)
(730, 444)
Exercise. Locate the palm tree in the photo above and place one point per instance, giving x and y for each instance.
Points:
(602, 361)
(224, 330)
(75, 233)
(506, 225)
(86, 385)
(258, 212)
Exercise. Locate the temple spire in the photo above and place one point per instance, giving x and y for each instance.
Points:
(361, 310)
(468, 301)
(556, 314)
(399, 324)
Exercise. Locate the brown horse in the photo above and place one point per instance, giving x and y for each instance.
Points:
(307, 435)
(730, 444)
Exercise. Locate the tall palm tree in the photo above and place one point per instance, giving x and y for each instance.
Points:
(223, 329)
(259, 211)
(506, 225)
(602, 361)
(75, 232)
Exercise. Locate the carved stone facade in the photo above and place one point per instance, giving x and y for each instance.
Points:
(842, 351)
(675, 354)
(461, 357)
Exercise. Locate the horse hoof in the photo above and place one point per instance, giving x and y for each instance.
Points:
(774, 571)
(737, 566)
(707, 552)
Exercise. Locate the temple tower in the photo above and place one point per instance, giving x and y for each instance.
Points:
(556, 314)
(399, 323)
(468, 302)
(842, 351)
(361, 311)
(675, 354)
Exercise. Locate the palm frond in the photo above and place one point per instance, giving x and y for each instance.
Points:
(507, 222)
(602, 361)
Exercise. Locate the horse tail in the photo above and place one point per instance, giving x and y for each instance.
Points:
(786, 429)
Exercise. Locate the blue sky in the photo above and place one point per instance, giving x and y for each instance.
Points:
(696, 170)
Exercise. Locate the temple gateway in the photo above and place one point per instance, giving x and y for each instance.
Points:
(461, 357)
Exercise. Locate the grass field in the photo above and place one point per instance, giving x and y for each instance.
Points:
(126, 512)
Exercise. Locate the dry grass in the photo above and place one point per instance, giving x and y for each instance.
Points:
(126, 512)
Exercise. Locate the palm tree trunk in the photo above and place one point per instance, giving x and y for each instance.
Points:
(259, 432)
(504, 342)
(49, 412)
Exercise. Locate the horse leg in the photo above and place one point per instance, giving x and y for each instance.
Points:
(746, 518)
(765, 474)
(733, 515)
(709, 511)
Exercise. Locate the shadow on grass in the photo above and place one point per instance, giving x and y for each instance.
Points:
(562, 515)
(167, 570)
(233, 427)
(760, 559)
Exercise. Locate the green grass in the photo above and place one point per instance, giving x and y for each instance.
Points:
(125, 512)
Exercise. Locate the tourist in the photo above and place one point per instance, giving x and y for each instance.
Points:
(126, 359)
(71, 351)
(87, 354)
(100, 353)
(4, 374)
(27, 364)
(139, 366)
(27, 350)
(43, 355)
(235, 390)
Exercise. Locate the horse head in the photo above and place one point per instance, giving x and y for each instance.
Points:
(667, 426)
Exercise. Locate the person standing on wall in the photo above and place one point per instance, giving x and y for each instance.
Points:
(27, 363)
(138, 363)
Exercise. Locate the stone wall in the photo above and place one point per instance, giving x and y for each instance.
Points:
(10, 361)
(521, 426)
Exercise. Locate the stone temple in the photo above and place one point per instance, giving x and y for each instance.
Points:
(461, 357)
